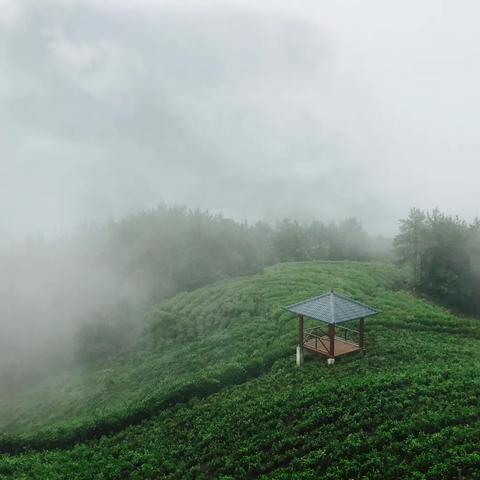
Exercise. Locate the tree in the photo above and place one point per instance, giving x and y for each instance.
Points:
(446, 264)
(442, 249)
(411, 243)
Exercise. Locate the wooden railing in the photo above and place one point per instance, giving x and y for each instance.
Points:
(344, 334)
(347, 334)
(316, 333)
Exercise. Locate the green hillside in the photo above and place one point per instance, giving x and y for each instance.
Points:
(213, 392)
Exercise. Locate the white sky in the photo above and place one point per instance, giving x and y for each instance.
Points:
(312, 109)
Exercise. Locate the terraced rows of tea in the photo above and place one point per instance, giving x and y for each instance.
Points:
(212, 391)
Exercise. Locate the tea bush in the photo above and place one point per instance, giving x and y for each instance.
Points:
(228, 401)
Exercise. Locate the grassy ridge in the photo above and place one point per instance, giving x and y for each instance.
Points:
(381, 417)
(409, 408)
(196, 344)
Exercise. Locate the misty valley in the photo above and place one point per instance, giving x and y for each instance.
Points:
(179, 362)
(239, 240)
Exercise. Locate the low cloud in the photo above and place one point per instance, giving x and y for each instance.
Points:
(258, 111)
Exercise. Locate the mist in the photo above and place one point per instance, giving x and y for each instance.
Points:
(181, 179)
(321, 110)
(315, 112)
(49, 292)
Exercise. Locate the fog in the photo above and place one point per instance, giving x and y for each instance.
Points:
(320, 110)
(49, 291)
(256, 110)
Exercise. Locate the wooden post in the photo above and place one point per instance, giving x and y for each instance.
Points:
(300, 331)
(331, 335)
(300, 341)
(361, 341)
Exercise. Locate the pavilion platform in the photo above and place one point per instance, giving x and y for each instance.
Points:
(320, 345)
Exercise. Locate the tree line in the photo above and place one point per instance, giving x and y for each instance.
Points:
(167, 250)
(176, 249)
(88, 291)
(444, 253)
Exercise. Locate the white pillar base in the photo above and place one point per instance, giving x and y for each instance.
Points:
(330, 361)
(299, 355)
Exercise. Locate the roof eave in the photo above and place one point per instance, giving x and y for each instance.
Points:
(376, 312)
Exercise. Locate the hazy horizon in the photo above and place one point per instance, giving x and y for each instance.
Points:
(321, 110)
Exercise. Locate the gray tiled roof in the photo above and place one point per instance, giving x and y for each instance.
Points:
(332, 308)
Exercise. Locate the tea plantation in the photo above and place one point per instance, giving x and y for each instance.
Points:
(212, 391)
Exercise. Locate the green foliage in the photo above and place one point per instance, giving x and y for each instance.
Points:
(444, 252)
(105, 335)
(219, 396)
(195, 335)
(166, 250)
(347, 240)
(175, 249)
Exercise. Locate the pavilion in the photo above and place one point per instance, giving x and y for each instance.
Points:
(333, 311)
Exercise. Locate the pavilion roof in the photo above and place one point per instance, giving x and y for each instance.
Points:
(332, 308)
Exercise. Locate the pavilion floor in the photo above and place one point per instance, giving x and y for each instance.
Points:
(341, 346)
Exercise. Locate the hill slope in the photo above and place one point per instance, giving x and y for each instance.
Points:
(411, 404)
